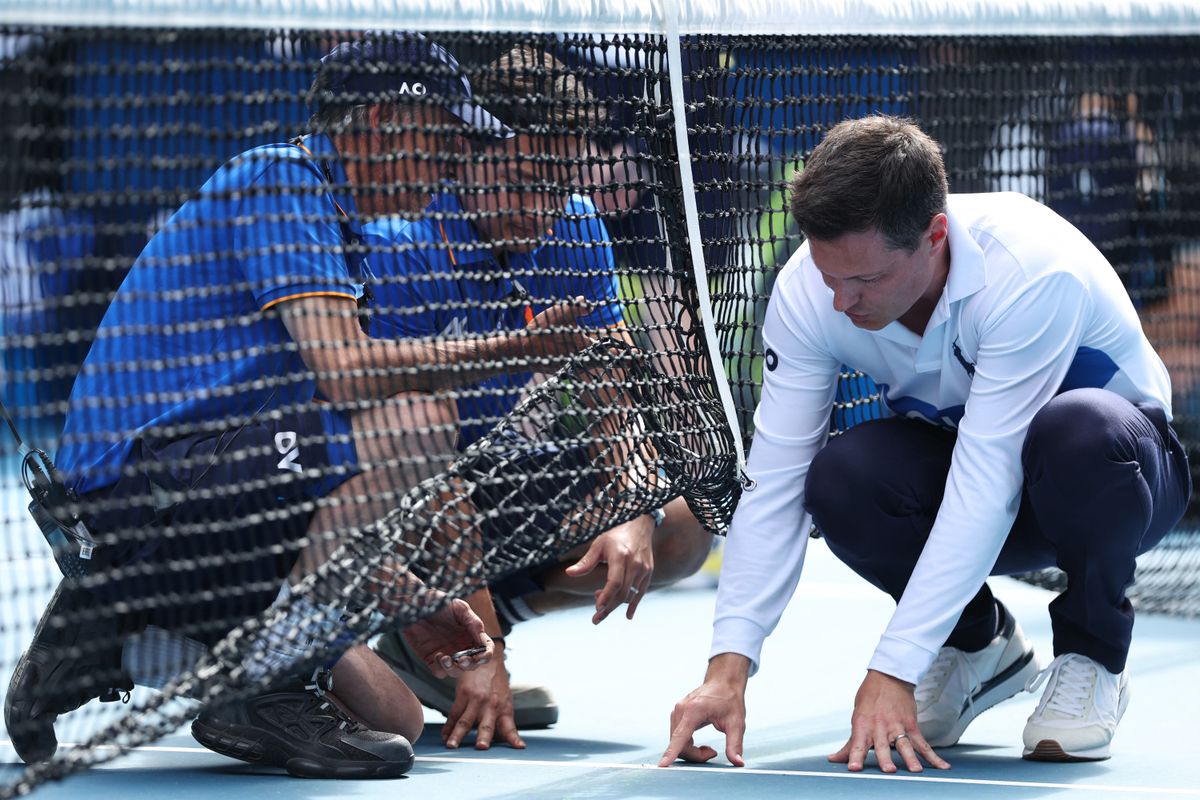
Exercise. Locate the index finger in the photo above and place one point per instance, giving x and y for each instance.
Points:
(857, 749)
(459, 722)
(733, 744)
(506, 729)
(681, 737)
(883, 750)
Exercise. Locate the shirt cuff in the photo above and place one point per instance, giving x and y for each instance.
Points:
(900, 659)
(738, 635)
(278, 295)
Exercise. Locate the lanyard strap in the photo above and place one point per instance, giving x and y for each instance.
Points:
(518, 290)
(349, 237)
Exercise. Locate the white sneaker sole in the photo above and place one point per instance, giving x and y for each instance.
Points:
(1007, 684)
(1052, 750)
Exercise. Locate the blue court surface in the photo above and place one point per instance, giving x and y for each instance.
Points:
(616, 684)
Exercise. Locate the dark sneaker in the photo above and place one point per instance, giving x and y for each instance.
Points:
(74, 657)
(533, 706)
(297, 727)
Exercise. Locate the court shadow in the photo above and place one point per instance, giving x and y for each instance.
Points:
(541, 744)
(984, 761)
(254, 777)
(975, 763)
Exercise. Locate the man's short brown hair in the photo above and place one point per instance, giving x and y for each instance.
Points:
(531, 90)
(876, 173)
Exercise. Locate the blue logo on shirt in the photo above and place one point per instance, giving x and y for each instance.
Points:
(967, 365)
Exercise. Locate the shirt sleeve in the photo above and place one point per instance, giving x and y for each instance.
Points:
(769, 533)
(578, 262)
(1026, 348)
(288, 237)
(406, 291)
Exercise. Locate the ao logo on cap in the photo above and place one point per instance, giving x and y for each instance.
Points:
(413, 88)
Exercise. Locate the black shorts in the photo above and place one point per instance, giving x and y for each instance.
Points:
(525, 490)
(207, 526)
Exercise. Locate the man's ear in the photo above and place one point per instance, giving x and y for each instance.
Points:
(938, 230)
(377, 116)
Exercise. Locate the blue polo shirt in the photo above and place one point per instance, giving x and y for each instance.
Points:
(437, 279)
(185, 340)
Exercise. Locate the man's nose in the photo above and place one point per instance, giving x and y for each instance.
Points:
(843, 299)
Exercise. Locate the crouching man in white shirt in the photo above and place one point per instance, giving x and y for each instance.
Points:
(1031, 428)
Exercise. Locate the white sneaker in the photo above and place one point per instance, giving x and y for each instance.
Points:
(1078, 714)
(960, 686)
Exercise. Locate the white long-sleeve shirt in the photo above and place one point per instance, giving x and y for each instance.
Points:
(1030, 308)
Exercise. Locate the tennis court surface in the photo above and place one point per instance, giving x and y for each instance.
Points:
(649, 174)
(617, 682)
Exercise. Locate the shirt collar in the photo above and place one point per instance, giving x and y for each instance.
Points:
(968, 269)
(447, 215)
(463, 236)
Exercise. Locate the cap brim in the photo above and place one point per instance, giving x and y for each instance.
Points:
(481, 119)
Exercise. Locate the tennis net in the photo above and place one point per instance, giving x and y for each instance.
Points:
(647, 174)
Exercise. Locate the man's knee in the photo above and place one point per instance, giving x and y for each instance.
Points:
(1082, 429)
(832, 486)
(681, 544)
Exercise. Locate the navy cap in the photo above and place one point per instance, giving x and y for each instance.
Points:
(398, 66)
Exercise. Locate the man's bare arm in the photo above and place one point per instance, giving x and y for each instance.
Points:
(350, 365)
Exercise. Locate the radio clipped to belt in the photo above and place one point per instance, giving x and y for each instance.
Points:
(51, 507)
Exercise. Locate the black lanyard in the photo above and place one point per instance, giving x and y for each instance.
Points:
(350, 240)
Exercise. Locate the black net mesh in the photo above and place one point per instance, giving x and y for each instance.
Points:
(403, 357)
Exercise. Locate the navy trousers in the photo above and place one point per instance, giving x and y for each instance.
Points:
(1105, 480)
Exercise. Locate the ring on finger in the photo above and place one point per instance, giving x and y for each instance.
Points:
(634, 590)
(898, 738)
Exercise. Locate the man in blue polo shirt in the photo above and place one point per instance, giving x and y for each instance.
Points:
(491, 255)
(230, 377)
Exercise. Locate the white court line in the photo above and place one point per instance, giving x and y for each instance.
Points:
(814, 774)
(798, 773)
(150, 748)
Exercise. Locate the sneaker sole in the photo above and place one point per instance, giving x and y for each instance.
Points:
(236, 742)
(1050, 750)
(33, 737)
(1007, 684)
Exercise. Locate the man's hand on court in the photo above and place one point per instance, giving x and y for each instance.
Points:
(483, 702)
(452, 628)
(885, 715)
(628, 552)
(721, 702)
